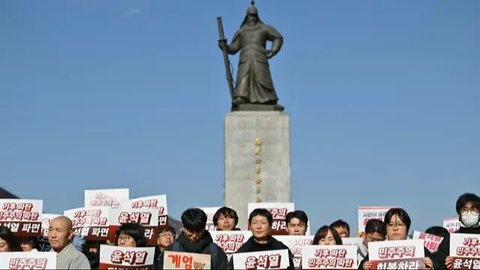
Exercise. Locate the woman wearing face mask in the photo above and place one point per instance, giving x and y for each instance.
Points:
(467, 207)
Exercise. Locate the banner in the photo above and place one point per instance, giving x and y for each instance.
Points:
(158, 202)
(295, 244)
(329, 257)
(230, 241)
(148, 218)
(28, 260)
(90, 222)
(185, 260)
(105, 197)
(398, 254)
(451, 224)
(271, 259)
(22, 217)
(365, 213)
(115, 257)
(279, 212)
(431, 241)
(465, 249)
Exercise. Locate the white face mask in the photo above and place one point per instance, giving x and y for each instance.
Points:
(469, 219)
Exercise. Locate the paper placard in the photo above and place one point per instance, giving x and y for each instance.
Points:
(115, 257)
(451, 224)
(431, 241)
(185, 260)
(465, 249)
(158, 202)
(397, 254)
(90, 222)
(329, 257)
(295, 244)
(365, 213)
(106, 197)
(230, 241)
(22, 216)
(271, 259)
(210, 211)
(28, 260)
(279, 213)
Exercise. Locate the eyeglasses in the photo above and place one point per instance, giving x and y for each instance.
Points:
(474, 211)
(124, 238)
(167, 234)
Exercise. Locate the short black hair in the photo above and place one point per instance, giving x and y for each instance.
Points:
(261, 212)
(7, 235)
(194, 219)
(134, 230)
(401, 213)
(341, 223)
(301, 215)
(466, 198)
(438, 231)
(226, 212)
(376, 226)
(322, 233)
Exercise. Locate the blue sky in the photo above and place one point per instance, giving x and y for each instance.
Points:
(383, 98)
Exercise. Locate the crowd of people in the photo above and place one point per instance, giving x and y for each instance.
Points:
(76, 253)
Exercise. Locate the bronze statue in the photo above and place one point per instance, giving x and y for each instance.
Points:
(254, 86)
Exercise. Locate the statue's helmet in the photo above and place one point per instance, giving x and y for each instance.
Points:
(252, 10)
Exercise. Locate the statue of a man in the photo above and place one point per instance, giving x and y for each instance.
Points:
(254, 83)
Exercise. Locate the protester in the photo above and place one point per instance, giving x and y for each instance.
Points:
(131, 235)
(8, 242)
(166, 237)
(297, 222)
(91, 249)
(28, 243)
(341, 227)
(225, 219)
(375, 231)
(326, 235)
(59, 234)
(195, 239)
(260, 221)
(398, 223)
(467, 207)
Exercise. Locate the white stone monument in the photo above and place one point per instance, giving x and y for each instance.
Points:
(257, 159)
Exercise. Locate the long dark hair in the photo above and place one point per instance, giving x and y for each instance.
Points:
(8, 236)
(322, 233)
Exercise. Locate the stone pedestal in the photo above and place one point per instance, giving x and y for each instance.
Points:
(257, 159)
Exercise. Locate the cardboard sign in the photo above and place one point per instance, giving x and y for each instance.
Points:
(185, 260)
(90, 222)
(148, 218)
(28, 260)
(451, 224)
(279, 212)
(230, 241)
(295, 244)
(355, 241)
(22, 217)
(271, 259)
(431, 241)
(158, 202)
(465, 249)
(115, 257)
(210, 211)
(398, 254)
(329, 257)
(106, 197)
(366, 213)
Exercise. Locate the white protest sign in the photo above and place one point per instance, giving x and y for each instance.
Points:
(279, 213)
(451, 224)
(106, 197)
(210, 211)
(148, 218)
(186, 260)
(431, 241)
(116, 257)
(90, 222)
(398, 254)
(22, 216)
(158, 202)
(230, 241)
(270, 259)
(365, 213)
(295, 244)
(329, 257)
(465, 249)
(28, 260)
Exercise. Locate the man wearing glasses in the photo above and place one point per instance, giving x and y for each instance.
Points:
(195, 239)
